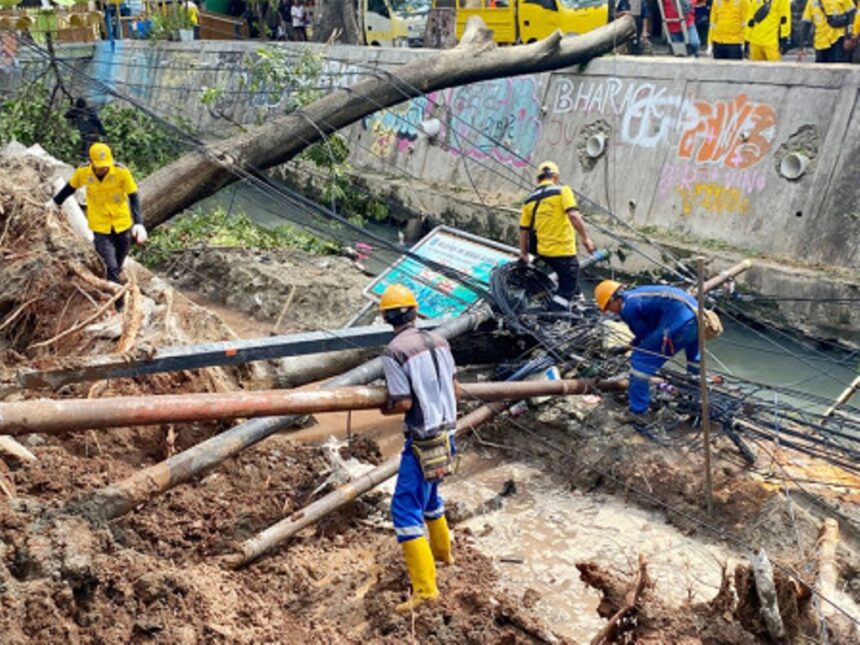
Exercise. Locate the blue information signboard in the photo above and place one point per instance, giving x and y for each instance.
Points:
(439, 296)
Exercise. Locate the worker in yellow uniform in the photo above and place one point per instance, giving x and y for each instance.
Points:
(113, 208)
(832, 21)
(550, 214)
(726, 34)
(768, 24)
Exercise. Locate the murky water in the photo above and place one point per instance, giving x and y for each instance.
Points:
(543, 530)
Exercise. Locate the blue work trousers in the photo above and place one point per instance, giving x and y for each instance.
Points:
(652, 353)
(415, 499)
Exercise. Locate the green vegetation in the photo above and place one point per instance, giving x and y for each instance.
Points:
(219, 228)
(137, 141)
(294, 81)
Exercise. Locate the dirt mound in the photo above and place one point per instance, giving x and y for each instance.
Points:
(157, 574)
(289, 287)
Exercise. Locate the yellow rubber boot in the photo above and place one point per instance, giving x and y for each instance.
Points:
(422, 574)
(440, 540)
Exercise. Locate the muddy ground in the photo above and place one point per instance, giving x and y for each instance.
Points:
(158, 573)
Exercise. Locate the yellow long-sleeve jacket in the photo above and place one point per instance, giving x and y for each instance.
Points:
(728, 21)
(776, 25)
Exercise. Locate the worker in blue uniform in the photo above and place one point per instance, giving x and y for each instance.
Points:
(663, 321)
(420, 376)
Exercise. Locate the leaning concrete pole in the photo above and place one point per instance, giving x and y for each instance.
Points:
(117, 499)
(51, 416)
(278, 533)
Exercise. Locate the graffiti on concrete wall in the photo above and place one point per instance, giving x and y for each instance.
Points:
(397, 127)
(717, 143)
(499, 119)
(715, 189)
(737, 133)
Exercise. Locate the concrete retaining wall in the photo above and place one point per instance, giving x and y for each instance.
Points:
(691, 147)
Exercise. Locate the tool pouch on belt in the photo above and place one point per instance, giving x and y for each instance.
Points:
(713, 324)
(434, 455)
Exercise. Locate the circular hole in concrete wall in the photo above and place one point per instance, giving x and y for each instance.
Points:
(799, 214)
(595, 145)
(793, 165)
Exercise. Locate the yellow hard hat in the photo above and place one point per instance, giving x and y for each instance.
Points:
(604, 291)
(100, 155)
(396, 296)
(547, 168)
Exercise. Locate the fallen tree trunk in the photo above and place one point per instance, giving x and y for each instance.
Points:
(199, 174)
(117, 499)
(54, 416)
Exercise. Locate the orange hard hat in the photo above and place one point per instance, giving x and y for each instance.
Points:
(604, 291)
(397, 296)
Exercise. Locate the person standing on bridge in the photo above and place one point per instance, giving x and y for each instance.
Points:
(768, 26)
(663, 321)
(832, 20)
(113, 208)
(726, 33)
(550, 214)
(421, 379)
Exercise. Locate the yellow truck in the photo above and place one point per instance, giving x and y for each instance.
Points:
(525, 21)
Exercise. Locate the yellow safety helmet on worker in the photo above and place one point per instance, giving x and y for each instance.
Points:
(547, 169)
(397, 296)
(604, 292)
(101, 156)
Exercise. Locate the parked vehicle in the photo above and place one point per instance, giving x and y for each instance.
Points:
(414, 13)
(525, 21)
(383, 27)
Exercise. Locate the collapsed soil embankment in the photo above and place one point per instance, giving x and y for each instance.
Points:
(155, 574)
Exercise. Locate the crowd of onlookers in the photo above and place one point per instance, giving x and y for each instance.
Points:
(284, 20)
(759, 30)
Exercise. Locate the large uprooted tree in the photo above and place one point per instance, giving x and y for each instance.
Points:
(199, 174)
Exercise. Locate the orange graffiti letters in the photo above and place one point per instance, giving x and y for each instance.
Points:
(737, 133)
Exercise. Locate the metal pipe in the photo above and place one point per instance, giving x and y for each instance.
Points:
(266, 540)
(50, 416)
(278, 533)
(724, 276)
(119, 498)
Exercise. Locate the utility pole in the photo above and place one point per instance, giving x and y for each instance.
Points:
(703, 384)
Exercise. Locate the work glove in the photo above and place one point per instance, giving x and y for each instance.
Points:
(51, 204)
(138, 233)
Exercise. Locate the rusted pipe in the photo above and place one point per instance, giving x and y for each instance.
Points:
(724, 276)
(51, 416)
(119, 498)
(278, 533)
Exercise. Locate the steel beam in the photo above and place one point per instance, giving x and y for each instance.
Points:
(230, 352)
